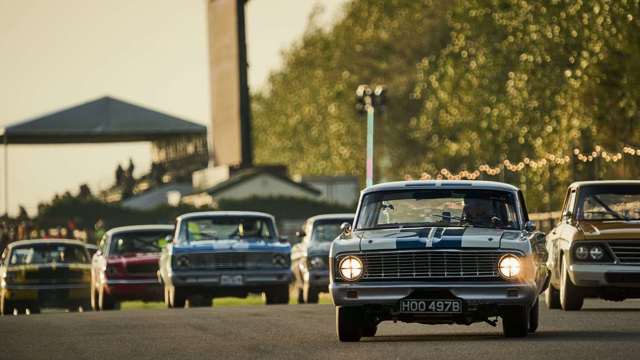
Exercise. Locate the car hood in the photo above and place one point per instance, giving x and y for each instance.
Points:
(231, 245)
(610, 230)
(319, 248)
(434, 237)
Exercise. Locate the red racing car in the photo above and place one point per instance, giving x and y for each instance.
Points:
(126, 264)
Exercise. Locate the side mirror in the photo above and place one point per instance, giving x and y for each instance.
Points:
(301, 233)
(346, 229)
(530, 226)
(284, 239)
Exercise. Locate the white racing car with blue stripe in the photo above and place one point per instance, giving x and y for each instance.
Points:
(438, 252)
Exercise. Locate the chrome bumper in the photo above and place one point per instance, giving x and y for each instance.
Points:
(473, 293)
(595, 275)
(317, 278)
(213, 278)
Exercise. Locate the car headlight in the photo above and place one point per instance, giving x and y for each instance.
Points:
(182, 262)
(351, 268)
(582, 252)
(317, 262)
(509, 266)
(596, 253)
(281, 260)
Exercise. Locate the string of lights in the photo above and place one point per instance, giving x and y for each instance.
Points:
(546, 160)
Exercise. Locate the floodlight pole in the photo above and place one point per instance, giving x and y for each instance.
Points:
(370, 122)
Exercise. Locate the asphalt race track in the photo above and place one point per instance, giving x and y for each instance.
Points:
(604, 330)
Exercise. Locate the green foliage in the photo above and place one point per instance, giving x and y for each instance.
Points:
(471, 82)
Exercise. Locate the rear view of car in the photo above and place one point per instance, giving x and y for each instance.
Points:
(125, 267)
(44, 273)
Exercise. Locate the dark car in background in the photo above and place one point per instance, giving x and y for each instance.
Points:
(310, 258)
(44, 273)
(218, 254)
(125, 267)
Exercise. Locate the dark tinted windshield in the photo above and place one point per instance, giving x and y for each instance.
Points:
(139, 242)
(327, 230)
(609, 202)
(442, 207)
(228, 227)
(38, 254)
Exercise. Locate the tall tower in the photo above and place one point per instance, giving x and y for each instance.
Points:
(230, 102)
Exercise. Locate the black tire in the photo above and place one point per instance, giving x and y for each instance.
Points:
(534, 317)
(369, 328)
(552, 297)
(34, 308)
(177, 297)
(277, 295)
(311, 295)
(570, 297)
(300, 293)
(349, 323)
(6, 306)
(515, 321)
(106, 301)
(199, 301)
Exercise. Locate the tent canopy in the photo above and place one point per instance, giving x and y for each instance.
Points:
(99, 121)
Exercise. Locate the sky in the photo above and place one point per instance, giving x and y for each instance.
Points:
(56, 54)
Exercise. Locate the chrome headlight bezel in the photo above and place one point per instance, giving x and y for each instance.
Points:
(595, 253)
(510, 267)
(350, 268)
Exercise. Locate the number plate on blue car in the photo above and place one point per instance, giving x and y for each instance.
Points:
(232, 280)
(443, 306)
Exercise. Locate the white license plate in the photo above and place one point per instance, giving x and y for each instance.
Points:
(232, 280)
(418, 306)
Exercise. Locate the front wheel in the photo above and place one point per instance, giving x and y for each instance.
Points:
(349, 321)
(277, 295)
(106, 301)
(311, 294)
(6, 306)
(174, 298)
(534, 317)
(515, 321)
(570, 297)
(552, 297)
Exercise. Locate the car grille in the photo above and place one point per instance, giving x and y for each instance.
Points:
(230, 261)
(627, 252)
(148, 268)
(431, 265)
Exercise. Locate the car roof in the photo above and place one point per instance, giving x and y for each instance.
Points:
(336, 216)
(442, 184)
(604, 182)
(224, 213)
(131, 228)
(46, 241)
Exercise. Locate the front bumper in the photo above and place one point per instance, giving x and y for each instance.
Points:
(134, 289)
(241, 278)
(472, 293)
(317, 279)
(605, 275)
(48, 294)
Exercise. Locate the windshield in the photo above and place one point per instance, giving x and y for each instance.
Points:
(139, 242)
(612, 202)
(228, 227)
(454, 207)
(48, 253)
(327, 230)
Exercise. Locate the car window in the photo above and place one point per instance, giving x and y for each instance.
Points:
(327, 230)
(135, 242)
(228, 227)
(48, 253)
(445, 207)
(617, 202)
